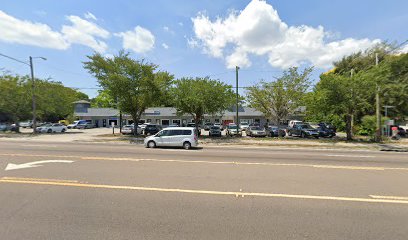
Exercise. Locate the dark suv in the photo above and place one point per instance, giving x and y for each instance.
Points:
(303, 130)
(152, 129)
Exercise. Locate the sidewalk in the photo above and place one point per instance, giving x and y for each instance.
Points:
(104, 135)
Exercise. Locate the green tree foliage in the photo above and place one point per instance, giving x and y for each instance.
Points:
(103, 100)
(133, 85)
(200, 96)
(280, 98)
(349, 91)
(338, 95)
(54, 101)
(15, 100)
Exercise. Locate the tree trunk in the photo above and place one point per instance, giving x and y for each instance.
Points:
(135, 119)
(197, 121)
(349, 130)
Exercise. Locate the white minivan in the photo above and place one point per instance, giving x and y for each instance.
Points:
(185, 137)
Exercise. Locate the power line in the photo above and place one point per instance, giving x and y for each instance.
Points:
(15, 59)
(395, 48)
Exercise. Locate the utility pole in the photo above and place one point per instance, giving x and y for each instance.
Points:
(377, 107)
(236, 77)
(33, 99)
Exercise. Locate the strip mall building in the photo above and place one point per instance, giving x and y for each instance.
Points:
(105, 117)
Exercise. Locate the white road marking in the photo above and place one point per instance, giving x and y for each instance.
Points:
(207, 192)
(38, 145)
(350, 156)
(343, 167)
(12, 166)
(389, 197)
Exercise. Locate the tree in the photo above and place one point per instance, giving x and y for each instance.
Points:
(133, 84)
(201, 96)
(103, 100)
(276, 100)
(342, 96)
(54, 100)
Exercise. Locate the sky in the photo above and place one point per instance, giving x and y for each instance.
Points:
(194, 38)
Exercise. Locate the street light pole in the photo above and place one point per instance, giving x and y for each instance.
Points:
(33, 96)
(236, 77)
(33, 99)
(378, 108)
(30, 64)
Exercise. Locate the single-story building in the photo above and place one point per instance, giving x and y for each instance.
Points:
(105, 117)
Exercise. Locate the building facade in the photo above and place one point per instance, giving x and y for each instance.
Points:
(105, 117)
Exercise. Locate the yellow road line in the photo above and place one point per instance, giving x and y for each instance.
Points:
(342, 167)
(390, 197)
(207, 192)
(38, 179)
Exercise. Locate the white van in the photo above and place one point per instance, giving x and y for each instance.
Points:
(185, 137)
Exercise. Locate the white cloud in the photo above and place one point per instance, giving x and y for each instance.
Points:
(165, 46)
(13, 30)
(80, 31)
(167, 29)
(86, 33)
(89, 15)
(181, 24)
(140, 40)
(258, 30)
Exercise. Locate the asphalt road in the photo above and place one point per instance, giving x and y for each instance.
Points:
(105, 191)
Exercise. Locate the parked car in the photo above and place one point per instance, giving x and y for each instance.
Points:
(75, 124)
(152, 129)
(256, 131)
(243, 126)
(185, 137)
(207, 126)
(401, 131)
(219, 125)
(255, 124)
(27, 124)
(85, 125)
(275, 131)
(4, 127)
(215, 131)
(292, 123)
(64, 122)
(323, 130)
(303, 131)
(233, 130)
(194, 125)
(328, 126)
(129, 129)
(51, 128)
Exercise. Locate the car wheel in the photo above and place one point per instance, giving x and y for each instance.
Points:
(63, 130)
(290, 134)
(186, 145)
(151, 144)
(317, 137)
(49, 131)
(302, 135)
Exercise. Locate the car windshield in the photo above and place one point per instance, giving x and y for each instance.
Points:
(215, 128)
(232, 127)
(257, 128)
(305, 126)
(274, 128)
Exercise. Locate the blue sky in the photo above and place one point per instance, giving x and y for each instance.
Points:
(194, 38)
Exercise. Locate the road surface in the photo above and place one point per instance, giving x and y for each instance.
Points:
(114, 191)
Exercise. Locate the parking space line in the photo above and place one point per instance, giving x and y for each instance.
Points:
(206, 192)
